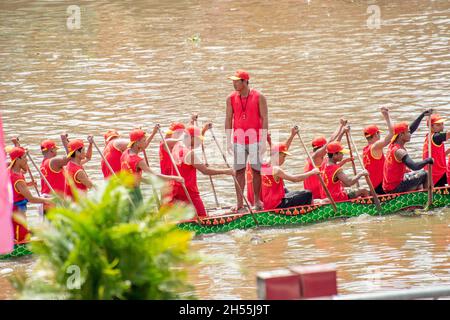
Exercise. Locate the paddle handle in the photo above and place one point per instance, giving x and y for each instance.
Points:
(430, 169)
(40, 173)
(351, 156)
(324, 186)
(369, 182)
(234, 178)
(177, 171)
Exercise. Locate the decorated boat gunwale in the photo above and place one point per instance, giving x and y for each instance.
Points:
(301, 215)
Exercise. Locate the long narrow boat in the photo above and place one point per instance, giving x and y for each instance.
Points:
(390, 203)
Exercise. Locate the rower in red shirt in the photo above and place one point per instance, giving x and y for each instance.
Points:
(21, 193)
(439, 170)
(373, 155)
(76, 178)
(273, 190)
(447, 153)
(334, 177)
(114, 147)
(318, 154)
(188, 160)
(395, 177)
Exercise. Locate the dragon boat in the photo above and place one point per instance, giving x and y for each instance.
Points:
(302, 215)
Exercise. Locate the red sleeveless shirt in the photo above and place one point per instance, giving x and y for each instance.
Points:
(71, 171)
(164, 161)
(336, 189)
(15, 178)
(448, 170)
(373, 165)
(112, 155)
(247, 122)
(129, 163)
(439, 167)
(272, 190)
(187, 171)
(55, 178)
(393, 170)
(312, 183)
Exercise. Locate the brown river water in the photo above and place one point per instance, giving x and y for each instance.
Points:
(137, 63)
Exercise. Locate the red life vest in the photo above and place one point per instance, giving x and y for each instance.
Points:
(247, 122)
(55, 178)
(373, 165)
(312, 183)
(112, 155)
(15, 178)
(393, 170)
(336, 189)
(129, 163)
(272, 189)
(439, 166)
(71, 171)
(164, 161)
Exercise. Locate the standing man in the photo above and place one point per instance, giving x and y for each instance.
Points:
(437, 150)
(246, 126)
(373, 154)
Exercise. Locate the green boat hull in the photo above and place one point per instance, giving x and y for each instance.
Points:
(303, 215)
(390, 204)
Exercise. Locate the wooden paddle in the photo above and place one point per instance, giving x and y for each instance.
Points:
(210, 177)
(351, 157)
(430, 170)
(369, 182)
(178, 172)
(235, 180)
(324, 186)
(40, 173)
(17, 144)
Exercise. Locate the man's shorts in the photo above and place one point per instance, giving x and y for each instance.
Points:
(244, 152)
(411, 181)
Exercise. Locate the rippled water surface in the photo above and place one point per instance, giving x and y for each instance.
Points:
(144, 62)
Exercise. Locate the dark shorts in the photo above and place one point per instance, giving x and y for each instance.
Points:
(296, 198)
(411, 181)
(247, 152)
(442, 181)
(379, 188)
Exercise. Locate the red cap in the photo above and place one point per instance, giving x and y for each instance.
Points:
(371, 130)
(110, 134)
(73, 146)
(175, 126)
(319, 142)
(280, 148)
(435, 118)
(400, 128)
(15, 153)
(194, 132)
(335, 147)
(240, 75)
(136, 135)
(48, 145)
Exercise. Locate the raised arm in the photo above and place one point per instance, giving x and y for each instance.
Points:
(152, 135)
(289, 140)
(57, 163)
(415, 124)
(65, 141)
(378, 146)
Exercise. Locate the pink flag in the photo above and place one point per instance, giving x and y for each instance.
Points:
(6, 228)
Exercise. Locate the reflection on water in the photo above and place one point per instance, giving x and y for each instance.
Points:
(145, 62)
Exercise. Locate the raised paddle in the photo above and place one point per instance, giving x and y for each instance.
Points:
(234, 178)
(430, 170)
(324, 186)
(206, 164)
(369, 182)
(17, 144)
(177, 171)
(351, 156)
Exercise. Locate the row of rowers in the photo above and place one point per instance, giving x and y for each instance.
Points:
(396, 172)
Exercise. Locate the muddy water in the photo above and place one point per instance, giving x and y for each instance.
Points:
(136, 63)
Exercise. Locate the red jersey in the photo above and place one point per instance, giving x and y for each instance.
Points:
(373, 165)
(336, 188)
(55, 178)
(112, 155)
(312, 183)
(272, 189)
(439, 167)
(247, 122)
(164, 161)
(129, 163)
(393, 170)
(448, 170)
(16, 178)
(71, 171)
